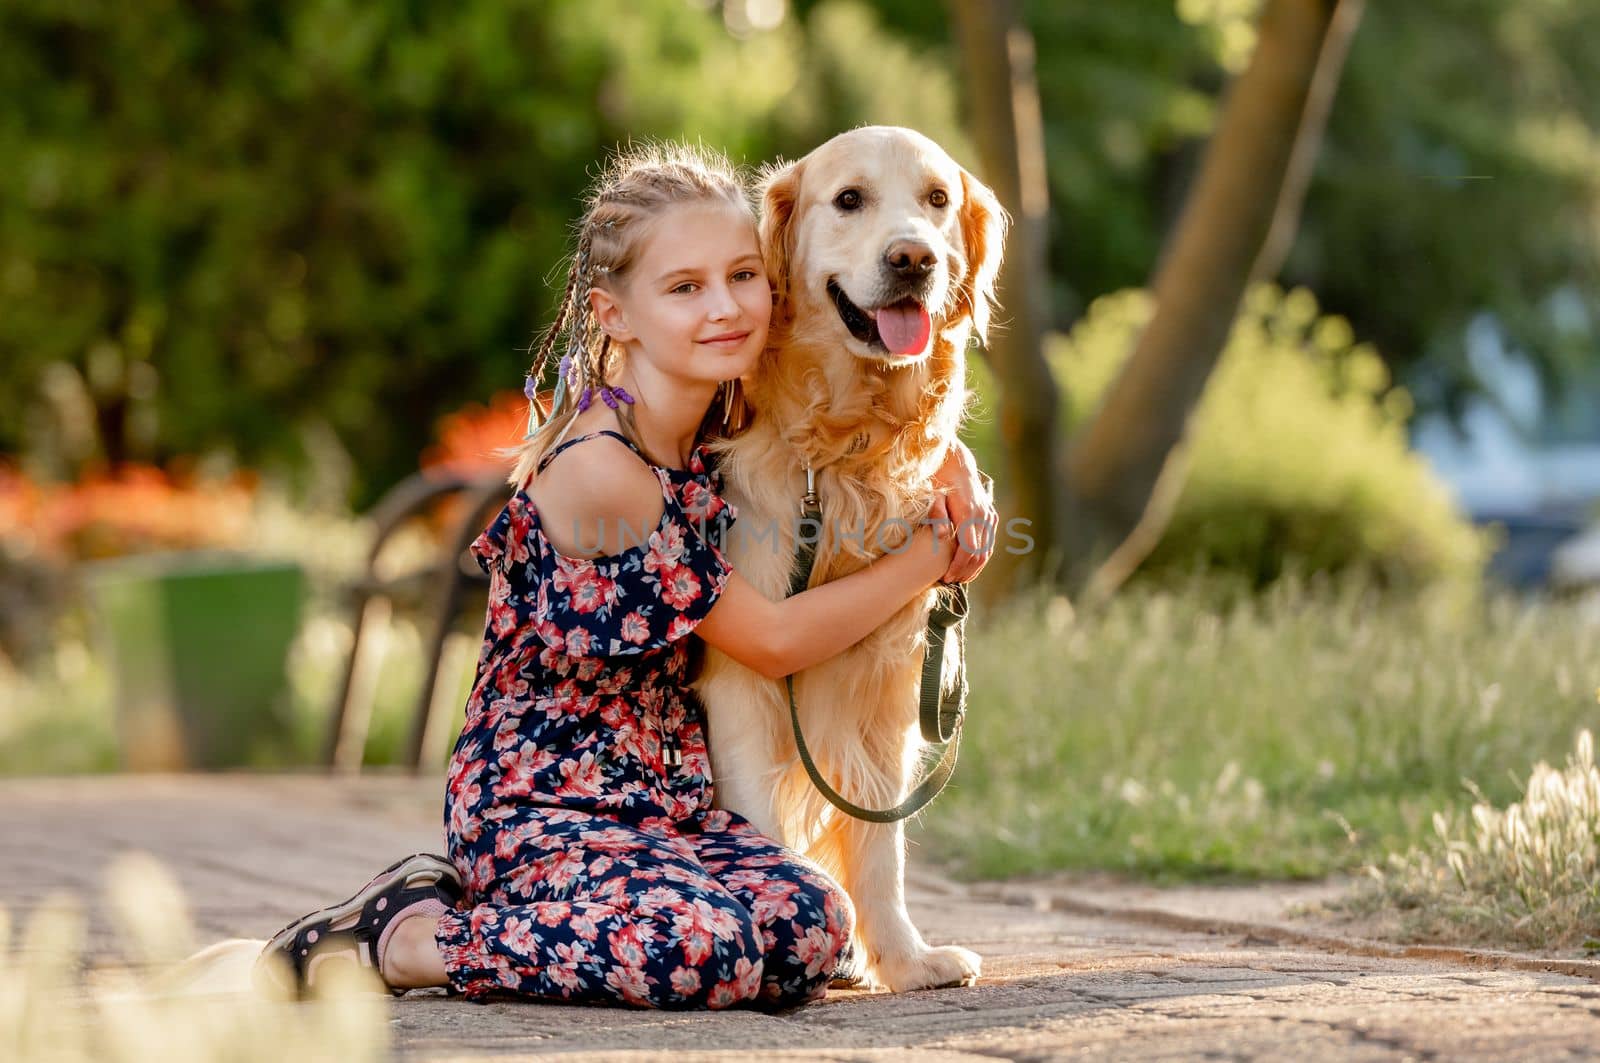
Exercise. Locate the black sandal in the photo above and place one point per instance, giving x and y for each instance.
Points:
(847, 973)
(353, 931)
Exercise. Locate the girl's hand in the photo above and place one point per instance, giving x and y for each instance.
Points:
(935, 541)
(971, 505)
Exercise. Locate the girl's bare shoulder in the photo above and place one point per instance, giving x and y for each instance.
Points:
(596, 498)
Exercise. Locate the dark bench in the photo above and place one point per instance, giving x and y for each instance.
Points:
(442, 592)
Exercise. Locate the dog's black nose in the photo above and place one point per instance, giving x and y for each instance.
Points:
(910, 258)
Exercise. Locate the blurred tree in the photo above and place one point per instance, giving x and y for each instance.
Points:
(1003, 109)
(1460, 172)
(301, 232)
(1125, 468)
(1237, 225)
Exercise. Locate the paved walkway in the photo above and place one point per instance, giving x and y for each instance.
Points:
(1057, 983)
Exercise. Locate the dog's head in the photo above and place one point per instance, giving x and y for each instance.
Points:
(880, 238)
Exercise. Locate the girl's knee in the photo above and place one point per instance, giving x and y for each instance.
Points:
(823, 904)
(838, 910)
(708, 953)
(804, 950)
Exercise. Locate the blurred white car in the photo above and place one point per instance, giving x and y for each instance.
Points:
(1576, 563)
(1526, 461)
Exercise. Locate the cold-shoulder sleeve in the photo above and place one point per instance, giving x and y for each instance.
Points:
(645, 597)
(505, 542)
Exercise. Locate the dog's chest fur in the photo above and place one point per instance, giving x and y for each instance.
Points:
(864, 514)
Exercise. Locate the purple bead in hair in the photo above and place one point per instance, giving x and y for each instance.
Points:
(530, 387)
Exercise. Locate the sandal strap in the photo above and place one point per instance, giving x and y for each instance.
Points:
(358, 939)
(377, 912)
(424, 906)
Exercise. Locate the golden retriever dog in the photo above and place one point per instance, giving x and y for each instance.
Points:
(883, 254)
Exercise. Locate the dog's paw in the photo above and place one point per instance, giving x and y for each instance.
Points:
(929, 968)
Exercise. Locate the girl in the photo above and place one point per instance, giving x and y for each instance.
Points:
(586, 862)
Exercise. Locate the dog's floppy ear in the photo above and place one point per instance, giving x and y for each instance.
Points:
(983, 236)
(780, 194)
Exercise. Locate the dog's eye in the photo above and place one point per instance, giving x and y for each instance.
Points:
(939, 198)
(849, 199)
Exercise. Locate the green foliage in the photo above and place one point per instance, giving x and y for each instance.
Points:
(1199, 731)
(59, 717)
(1297, 454)
(1231, 24)
(1461, 173)
(855, 73)
(299, 233)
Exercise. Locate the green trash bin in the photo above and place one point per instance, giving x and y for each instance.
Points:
(198, 642)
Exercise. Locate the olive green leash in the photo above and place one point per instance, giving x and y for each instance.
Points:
(940, 712)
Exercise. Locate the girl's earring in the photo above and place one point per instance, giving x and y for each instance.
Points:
(732, 405)
(611, 396)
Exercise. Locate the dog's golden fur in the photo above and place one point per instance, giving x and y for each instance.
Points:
(874, 427)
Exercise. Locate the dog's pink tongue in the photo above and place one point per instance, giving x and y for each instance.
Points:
(904, 327)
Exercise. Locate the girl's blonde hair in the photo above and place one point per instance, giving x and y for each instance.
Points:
(633, 190)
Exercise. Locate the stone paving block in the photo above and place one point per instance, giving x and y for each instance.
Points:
(439, 1027)
(1140, 986)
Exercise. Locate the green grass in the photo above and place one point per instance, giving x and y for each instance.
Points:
(1316, 728)
(58, 718)
(1185, 733)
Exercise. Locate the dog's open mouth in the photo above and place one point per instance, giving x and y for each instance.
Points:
(900, 328)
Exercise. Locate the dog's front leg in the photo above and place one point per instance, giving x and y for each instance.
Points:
(742, 711)
(871, 868)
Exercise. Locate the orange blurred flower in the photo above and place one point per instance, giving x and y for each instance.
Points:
(470, 437)
(135, 509)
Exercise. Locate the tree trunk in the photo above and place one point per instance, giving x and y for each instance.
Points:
(1125, 470)
(1004, 117)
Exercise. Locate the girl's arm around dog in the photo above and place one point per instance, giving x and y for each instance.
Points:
(788, 636)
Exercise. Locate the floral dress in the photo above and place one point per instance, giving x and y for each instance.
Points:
(579, 802)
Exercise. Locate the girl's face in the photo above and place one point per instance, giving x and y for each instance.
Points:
(696, 304)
